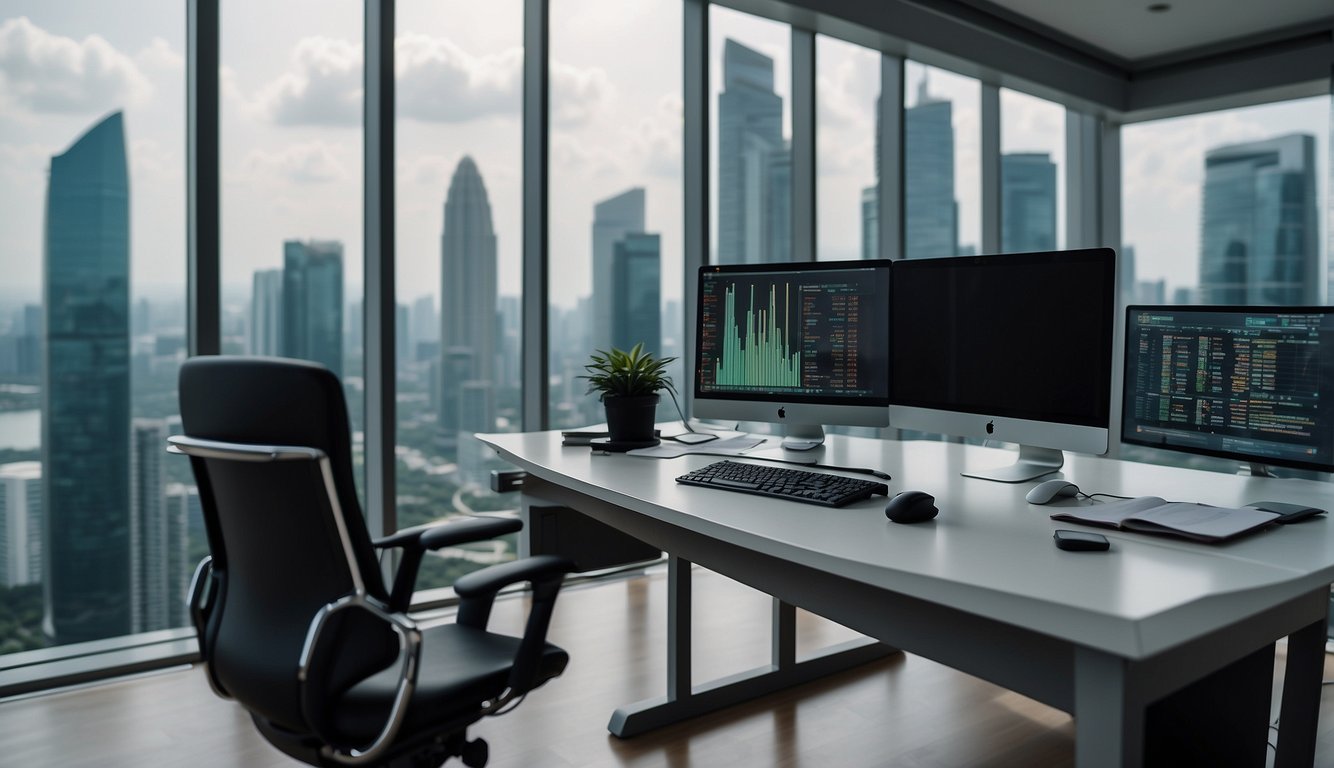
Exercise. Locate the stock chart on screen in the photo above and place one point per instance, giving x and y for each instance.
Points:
(812, 332)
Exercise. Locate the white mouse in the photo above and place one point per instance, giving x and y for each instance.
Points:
(1047, 491)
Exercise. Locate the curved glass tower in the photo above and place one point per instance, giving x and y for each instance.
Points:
(86, 392)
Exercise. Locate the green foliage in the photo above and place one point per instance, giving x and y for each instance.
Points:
(21, 619)
(627, 374)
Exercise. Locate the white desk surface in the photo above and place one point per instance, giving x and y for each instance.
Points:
(989, 552)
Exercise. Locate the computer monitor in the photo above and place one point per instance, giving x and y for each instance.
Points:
(798, 344)
(1253, 384)
(1016, 347)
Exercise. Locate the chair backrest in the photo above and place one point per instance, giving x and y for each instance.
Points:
(278, 556)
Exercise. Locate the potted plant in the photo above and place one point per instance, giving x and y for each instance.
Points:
(628, 384)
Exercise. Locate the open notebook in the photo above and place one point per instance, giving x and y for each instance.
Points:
(1150, 514)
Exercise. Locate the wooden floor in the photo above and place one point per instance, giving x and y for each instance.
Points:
(903, 711)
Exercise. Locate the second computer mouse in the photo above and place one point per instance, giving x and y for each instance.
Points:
(1050, 490)
(911, 507)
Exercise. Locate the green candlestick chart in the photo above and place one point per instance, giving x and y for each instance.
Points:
(762, 360)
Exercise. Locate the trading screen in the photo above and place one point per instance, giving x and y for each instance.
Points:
(811, 332)
(1236, 382)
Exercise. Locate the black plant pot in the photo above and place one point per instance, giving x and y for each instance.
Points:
(630, 418)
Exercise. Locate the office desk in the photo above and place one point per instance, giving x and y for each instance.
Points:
(982, 589)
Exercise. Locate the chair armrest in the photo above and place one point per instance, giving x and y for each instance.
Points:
(477, 591)
(416, 541)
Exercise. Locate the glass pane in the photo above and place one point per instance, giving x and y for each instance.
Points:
(1228, 207)
(1032, 173)
(95, 517)
(847, 92)
(750, 66)
(942, 163)
(291, 130)
(615, 208)
(459, 140)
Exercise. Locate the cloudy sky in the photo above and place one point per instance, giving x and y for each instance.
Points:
(291, 131)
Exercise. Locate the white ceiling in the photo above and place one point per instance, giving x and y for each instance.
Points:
(1125, 28)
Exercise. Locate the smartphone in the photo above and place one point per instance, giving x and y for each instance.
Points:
(1079, 541)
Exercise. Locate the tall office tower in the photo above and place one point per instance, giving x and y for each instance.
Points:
(476, 398)
(265, 334)
(185, 518)
(636, 314)
(425, 327)
(1125, 262)
(777, 196)
(20, 523)
(150, 542)
(403, 340)
(86, 397)
(871, 223)
(1258, 243)
(1028, 202)
(468, 291)
(750, 128)
(456, 366)
(613, 219)
(931, 214)
(313, 302)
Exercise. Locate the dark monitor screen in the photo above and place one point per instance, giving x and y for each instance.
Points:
(809, 332)
(1254, 384)
(1023, 336)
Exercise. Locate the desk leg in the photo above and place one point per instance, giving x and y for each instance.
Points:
(684, 701)
(1299, 714)
(1109, 723)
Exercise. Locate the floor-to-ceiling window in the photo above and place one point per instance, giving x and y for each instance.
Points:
(96, 521)
(291, 159)
(615, 193)
(458, 110)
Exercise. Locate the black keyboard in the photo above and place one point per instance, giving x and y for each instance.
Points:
(794, 484)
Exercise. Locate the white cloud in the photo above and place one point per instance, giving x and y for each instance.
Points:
(578, 94)
(439, 82)
(43, 72)
(657, 139)
(160, 56)
(323, 88)
(312, 163)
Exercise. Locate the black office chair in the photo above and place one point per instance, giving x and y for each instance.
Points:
(294, 620)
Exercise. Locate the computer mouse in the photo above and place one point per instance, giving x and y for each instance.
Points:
(1047, 491)
(911, 507)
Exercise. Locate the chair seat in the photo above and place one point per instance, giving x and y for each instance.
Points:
(460, 666)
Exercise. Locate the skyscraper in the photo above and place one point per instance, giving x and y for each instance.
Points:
(613, 219)
(871, 223)
(1258, 240)
(157, 534)
(637, 293)
(86, 400)
(468, 295)
(931, 214)
(1028, 202)
(312, 302)
(750, 149)
(265, 334)
(20, 523)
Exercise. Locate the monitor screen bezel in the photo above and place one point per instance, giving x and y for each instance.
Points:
(792, 400)
(1087, 435)
(1239, 309)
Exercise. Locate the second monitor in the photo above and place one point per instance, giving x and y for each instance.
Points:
(1015, 347)
(799, 344)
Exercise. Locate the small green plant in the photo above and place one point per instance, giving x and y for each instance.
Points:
(626, 374)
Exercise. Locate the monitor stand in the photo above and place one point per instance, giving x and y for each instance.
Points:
(1032, 463)
(802, 438)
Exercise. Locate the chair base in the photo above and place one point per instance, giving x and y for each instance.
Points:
(473, 753)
